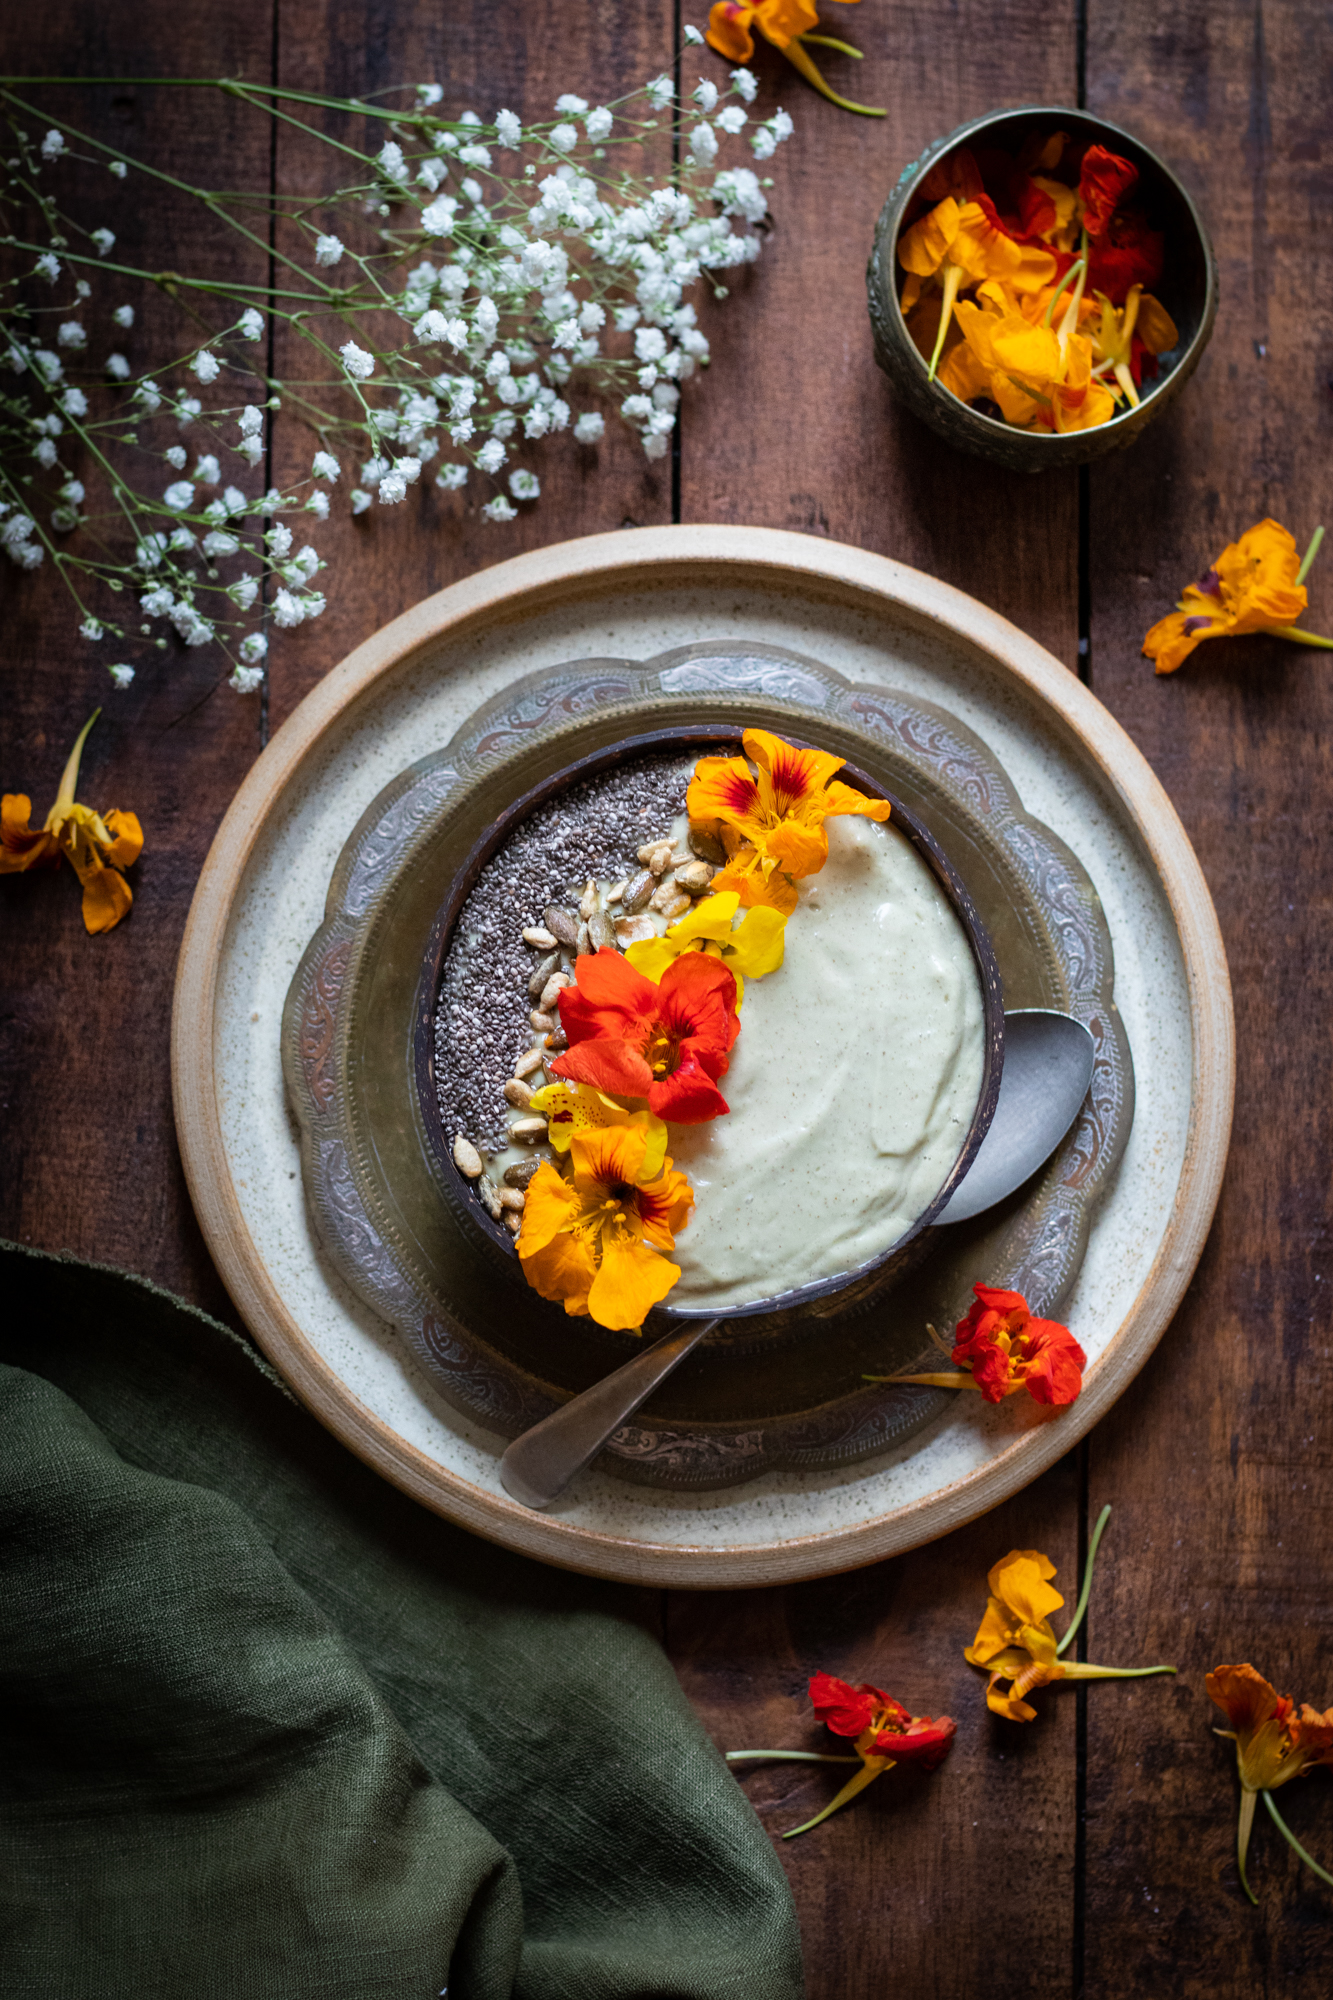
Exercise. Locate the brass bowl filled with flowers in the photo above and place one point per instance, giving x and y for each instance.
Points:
(1041, 286)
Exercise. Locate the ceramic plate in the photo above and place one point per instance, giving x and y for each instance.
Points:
(634, 596)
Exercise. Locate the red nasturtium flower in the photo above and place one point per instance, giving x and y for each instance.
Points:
(884, 1733)
(635, 1038)
(1103, 179)
(772, 820)
(1275, 1742)
(1004, 1349)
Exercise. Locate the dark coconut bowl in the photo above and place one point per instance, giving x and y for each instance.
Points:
(786, 1311)
(1187, 288)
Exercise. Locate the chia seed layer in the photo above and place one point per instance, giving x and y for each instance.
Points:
(481, 1020)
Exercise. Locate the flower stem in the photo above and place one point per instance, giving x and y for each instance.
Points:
(787, 1757)
(872, 1768)
(1301, 638)
(1286, 1831)
(828, 42)
(797, 55)
(69, 777)
(952, 279)
(1070, 277)
(1304, 570)
(1243, 1826)
(949, 1381)
(1082, 1604)
(1083, 1670)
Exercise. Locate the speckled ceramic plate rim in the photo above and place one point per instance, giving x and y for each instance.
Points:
(818, 573)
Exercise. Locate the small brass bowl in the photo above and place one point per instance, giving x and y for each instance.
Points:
(1188, 290)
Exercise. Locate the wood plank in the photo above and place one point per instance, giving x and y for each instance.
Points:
(486, 59)
(795, 426)
(89, 1162)
(1219, 1459)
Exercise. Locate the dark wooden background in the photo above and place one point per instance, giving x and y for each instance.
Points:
(1091, 1853)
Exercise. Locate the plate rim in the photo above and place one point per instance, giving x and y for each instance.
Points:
(556, 574)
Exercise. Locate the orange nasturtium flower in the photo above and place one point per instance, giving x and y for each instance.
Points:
(788, 25)
(1256, 585)
(963, 244)
(1000, 1348)
(885, 1734)
(748, 949)
(594, 1241)
(772, 823)
(667, 1040)
(1274, 1743)
(1015, 1642)
(99, 848)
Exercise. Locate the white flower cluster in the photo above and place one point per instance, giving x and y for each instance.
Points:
(488, 277)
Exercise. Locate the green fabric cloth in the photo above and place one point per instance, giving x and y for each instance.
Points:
(271, 1729)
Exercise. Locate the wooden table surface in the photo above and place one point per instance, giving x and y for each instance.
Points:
(1091, 1852)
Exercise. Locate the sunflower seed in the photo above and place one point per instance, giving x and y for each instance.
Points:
(634, 930)
(541, 972)
(681, 858)
(530, 1060)
(601, 931)
(543, 1023)
(539, 939)
(553, 988)
(616, 891)
(518, 1094)
(665, 892)
(557, 1042)
(584, 945)
(513, 1198)
(589, 901)
(563, 923)
(528, 1128)
(637, 893)
(513, 1223)
(466, 1157)
(490, 1199)
(520, 1173)
(707, 845)
(675, 905)
(694, 877)
(656, 855)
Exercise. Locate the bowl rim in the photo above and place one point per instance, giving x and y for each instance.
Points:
(461, 1193)
(938, 149)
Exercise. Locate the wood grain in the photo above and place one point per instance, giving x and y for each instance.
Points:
(1219, 1459)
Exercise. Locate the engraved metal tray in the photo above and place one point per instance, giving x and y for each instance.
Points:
(504, 1357)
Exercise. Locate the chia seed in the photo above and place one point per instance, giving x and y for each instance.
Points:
(481, 1018)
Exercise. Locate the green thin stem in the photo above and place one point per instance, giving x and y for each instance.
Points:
(1310, 554)
(829, 42)
(1082, 1604)
(1243, 1827)
(871, 1770)
(1301, 638)
(1286, 1831)
(1069, 278)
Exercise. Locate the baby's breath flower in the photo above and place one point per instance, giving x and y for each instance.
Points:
(206, 365)
(732, 120)
(279, 539)
(659, 91)
(745, 83)
(250, 325)
(431, 172)
(74, 403)
(117, 367)
(246, 680)
(524, 485)
(598, 124)
(590, 427)
(71, 334)
(234, 500)
(429, 94)
(325, 466)
(287, 610)
(119, 169)
(500, 509)
(739, 192)
(564, 138)
(360, 500)
(187, 408)
(45, 453)
(207, 471)
(180, 495)
(124, 316)
(438, 219)
(359, 365)
(705, 94)
(318, 504)
(48, 267)
(328, 250)
(176, 456)
(48, 365)
(53, 145)
(251, 421)
(391, 161)
(693, 36)
(475, 155)
(254, 647)
(218, 543)
(703, 145)
(508, 130)
(471, 188)
(73, 490)
(243, 592)
(91, 629)
(451, 477)
(121, 675)
(492, 455)
(764, 143)
(105, 241)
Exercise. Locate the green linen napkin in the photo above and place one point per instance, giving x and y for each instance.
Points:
(271, 1729)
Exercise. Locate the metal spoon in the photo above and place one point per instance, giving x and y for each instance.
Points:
(1048, 1060)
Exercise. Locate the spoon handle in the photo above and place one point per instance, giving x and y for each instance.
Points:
(539, 1465)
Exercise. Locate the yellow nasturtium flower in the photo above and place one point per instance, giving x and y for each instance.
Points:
(98, 847)
(1256, 585)
(578, 1107)
(750, 949)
